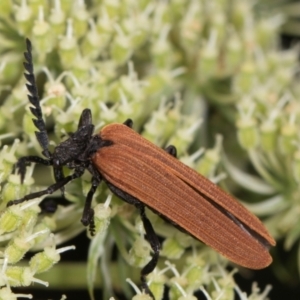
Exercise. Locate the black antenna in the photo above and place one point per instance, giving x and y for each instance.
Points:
(34, 99)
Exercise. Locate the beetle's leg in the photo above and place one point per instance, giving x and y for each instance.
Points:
(88, 212)
(36, 110)
(152, 238)
(52, 188)
(150, 234)
(128, 123)
(23, 162)
(171, 150)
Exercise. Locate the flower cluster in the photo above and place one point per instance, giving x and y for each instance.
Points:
(164, 64)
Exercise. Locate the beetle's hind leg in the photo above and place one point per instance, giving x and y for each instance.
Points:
(150, 236)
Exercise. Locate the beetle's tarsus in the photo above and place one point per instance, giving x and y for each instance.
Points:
(23, 162)
(145, 288)
(88, 212)
(14, 202)
(92, 226)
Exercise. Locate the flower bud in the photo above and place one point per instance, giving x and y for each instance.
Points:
(42, 36)
(23, 18)
(183, 137)
(57, 19)
(45, 226)
(139, 254)
(156, 83)
(139, 295)
(30, 217)
(16, 249)
(56, 91)
(21, 276)
(36, 5)
(11, 219)
(209, 56)
(113, 8)
(210, 160)
(247, 133)
(266, 31)
(93, 41)
(224, 288)
(80, 18)
(288, 136)
(163, 122)
(246, 77)
(268, 136)
(157, 282)
(108, 115)
(172, 249)
(14, 190)
(68, 48)
(176, 281)
(126, 108)
(195, 272)
(43, 261)
(8, 159)
(161, 50)
(121, 48)
(234, 53)
(102, 215)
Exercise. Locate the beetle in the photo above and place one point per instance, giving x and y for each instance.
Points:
(145, 175)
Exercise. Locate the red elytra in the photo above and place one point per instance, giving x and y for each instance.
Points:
(181, 195)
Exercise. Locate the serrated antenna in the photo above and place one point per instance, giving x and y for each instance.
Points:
(34, 99)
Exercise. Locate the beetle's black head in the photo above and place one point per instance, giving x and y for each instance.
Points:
(80, 145)
(77, 150)
(74, 147)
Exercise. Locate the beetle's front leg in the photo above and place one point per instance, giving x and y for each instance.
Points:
(23, 162)
(51, 189)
